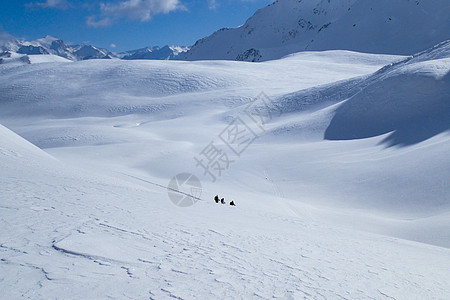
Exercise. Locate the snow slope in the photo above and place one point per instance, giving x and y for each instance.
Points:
(288, 26)
(65, 231)
(324, 209)
(411, 98)
(14, 58)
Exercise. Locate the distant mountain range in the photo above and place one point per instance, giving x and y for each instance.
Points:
(166, 52)
(372, 26)
(56, 46)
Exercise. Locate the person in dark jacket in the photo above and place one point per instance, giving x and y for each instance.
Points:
(216, 198)
(222, 201)
(232, 203)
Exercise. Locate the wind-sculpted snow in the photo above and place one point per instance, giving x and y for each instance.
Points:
(410, 99)
(413, 106)
(101, 236)
(114, 88)
(315, 218)
(99, 88)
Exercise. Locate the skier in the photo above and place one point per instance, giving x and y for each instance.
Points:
(232, 203)
(216, 198)
(222, 201)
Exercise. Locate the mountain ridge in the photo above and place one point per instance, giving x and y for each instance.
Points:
(55, 46)
(289, 26)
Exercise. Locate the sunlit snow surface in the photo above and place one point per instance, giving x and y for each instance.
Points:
(344, 194)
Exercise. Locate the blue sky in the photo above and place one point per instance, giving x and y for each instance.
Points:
(124, 24)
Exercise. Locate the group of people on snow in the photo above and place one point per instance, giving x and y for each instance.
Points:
(217, 199)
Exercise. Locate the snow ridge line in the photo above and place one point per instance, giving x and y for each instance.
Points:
(94, 258)
(164, 187)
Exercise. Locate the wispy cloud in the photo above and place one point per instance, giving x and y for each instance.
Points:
(95, 22)
(59, 4)
(212, 4)
(4, 36)
(142, 10)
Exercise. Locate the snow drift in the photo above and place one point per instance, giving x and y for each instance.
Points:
(410, 99)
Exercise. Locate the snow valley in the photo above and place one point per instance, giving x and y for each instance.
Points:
(341, 183)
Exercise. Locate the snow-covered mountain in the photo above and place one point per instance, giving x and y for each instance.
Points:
(371, 26)
(162, 53)
(55, 46)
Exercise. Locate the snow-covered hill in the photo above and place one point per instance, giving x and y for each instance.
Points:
(410, 99)
(324, 209)
(289, 26)
(15, 58)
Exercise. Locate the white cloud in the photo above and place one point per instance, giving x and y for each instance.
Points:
(142, 10)
(212, 4)
(113, 45)
(104, 22)
(61, 4)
